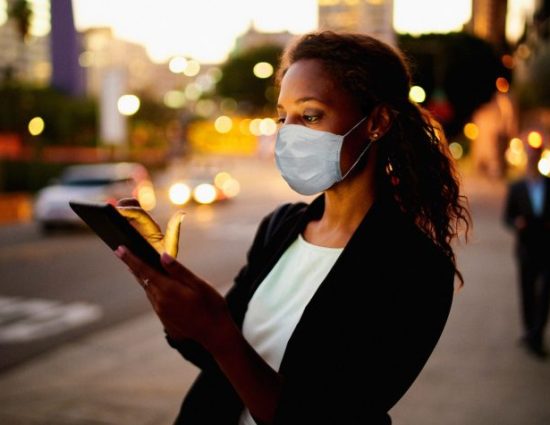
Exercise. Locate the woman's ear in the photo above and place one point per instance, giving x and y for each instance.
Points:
(379, 122)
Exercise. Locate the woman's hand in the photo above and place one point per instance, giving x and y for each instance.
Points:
(187, 306)
(144, 224)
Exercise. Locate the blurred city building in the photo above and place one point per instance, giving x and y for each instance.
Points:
(253, 38)
(25, 41)
(488, 21)
(373, 17)
(67, 75)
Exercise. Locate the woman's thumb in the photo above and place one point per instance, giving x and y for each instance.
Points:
(172, 234)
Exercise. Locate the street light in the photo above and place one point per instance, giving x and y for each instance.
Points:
(128, 104)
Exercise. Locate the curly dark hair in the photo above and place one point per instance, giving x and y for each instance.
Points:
(414, 163)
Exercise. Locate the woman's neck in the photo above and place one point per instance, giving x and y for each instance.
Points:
(346, 204)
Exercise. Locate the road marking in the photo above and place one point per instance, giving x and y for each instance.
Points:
(27, 319)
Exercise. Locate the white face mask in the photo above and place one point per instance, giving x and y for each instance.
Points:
(309, 160)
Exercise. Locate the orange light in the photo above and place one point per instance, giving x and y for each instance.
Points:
(508, 61)
(502, 85)
(534, 139)
(471, 131)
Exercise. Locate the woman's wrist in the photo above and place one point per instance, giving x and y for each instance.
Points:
(223, 340)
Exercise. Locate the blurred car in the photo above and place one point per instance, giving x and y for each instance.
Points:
(106, 182)
(202, 184)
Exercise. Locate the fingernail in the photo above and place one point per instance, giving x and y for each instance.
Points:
(119, 252)
(168, 259)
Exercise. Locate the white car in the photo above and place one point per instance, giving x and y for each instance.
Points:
(106, 182)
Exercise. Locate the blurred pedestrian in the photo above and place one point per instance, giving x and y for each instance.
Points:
(342, 300)
(527, 213)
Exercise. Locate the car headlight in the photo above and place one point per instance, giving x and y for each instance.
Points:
(179, 193)
(205, 193)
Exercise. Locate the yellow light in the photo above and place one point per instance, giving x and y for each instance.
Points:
(515, 158)
(417, 94)
(268, 127)
(545, 154)
(36, 126)
(128, 104)
(456, 150)
(502, 85)
(177, 64)
(244, 126)
(471, 131)
(146, 196)
(534, 139)
(221, 178)
(231, 188)
(192, 68)
(174, 99)
(205, 193)
(263, 70)
(205, 107)
(516, 145)
(223, 124)
(193, 91)
(179, 193)
(255, 127)
(544, 166)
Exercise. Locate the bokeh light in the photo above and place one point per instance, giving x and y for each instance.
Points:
(36, 126)
(223, 124)
(457, 151)
(471, 131)
(205, 193)
(179, 193)
(128, 104)
(417, 94)
(502, 85)
(263, 70)
(534, 139)
(177, 64)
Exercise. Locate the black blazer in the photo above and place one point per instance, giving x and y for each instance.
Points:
(362, 339)
(533, 241)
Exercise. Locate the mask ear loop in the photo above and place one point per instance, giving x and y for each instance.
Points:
(375, 135)
(359, 158)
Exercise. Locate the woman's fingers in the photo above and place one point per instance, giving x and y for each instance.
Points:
(172, 235)
(143, 272)
(128, 202)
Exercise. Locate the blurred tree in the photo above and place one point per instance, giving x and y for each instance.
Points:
(238, 81)
(68, 121)
(458, 72)
(21, 12)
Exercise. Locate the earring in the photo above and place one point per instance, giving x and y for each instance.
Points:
(374, 136)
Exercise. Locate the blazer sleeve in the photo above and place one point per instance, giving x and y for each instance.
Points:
(237, 297)
(364, 365)
(511, 205)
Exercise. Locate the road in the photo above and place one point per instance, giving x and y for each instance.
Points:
(126, 374)
(55, 288)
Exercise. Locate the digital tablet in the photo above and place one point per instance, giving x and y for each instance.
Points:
(115, 230)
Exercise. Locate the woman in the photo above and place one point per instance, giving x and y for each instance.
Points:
(341, 301)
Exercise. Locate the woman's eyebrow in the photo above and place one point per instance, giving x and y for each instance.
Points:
(302, 100)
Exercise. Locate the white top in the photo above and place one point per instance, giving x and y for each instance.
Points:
(278, 303)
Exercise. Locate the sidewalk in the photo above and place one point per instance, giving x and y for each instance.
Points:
(477, 375)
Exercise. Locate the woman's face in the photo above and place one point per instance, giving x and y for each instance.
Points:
(310, 97)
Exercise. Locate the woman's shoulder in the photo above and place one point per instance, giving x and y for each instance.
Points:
(411, 246)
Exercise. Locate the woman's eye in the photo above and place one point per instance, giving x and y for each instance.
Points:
(311, 118)
(280, 120)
